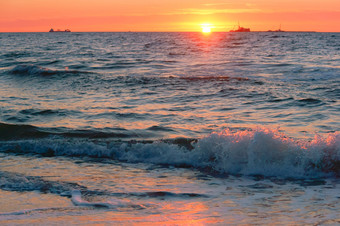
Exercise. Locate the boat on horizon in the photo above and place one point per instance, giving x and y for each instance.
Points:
(240, 29)
(278, 30)
(67, 30)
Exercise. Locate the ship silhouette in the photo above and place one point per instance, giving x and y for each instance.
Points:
(52, 30)
(240, 29)
(278, 30)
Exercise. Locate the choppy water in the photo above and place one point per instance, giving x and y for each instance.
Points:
(170, 128)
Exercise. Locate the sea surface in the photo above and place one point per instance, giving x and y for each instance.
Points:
(170, 128)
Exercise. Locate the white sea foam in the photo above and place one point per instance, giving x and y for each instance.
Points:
(260, 151)
(78, 201)
(267, 152)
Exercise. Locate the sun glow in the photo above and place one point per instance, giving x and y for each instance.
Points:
(206, 28)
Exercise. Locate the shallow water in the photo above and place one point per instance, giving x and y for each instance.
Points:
(169, 128)
(43, 190)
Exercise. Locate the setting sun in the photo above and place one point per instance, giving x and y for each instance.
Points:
(206, 28)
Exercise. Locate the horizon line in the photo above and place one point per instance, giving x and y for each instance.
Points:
(160, 31)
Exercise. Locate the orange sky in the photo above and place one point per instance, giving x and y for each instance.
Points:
(168, 15)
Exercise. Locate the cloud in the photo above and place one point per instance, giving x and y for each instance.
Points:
(216, 4)
(197, 11)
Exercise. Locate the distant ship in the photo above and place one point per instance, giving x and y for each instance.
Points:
(67, 30)
(278, 30)
(241, 29)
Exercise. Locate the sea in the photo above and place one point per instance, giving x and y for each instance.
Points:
(170, 128)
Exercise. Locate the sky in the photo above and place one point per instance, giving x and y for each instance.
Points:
(169, 15)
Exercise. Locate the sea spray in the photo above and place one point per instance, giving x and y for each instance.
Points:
(260, 151)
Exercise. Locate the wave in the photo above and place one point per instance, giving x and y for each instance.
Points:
(16, 54)
(31, 70)
(214, 78)
(22, 183)
(21, 131)
(79, 194)
(17, 182)
(167, 80)
(13, 131)
(78, 201)
(38, 112)
(34, 70)
(309, 101)
(259, 151)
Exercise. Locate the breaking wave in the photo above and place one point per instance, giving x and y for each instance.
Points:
(259, 151)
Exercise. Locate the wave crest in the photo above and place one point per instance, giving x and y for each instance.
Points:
(34, 70)
(270, 153)
(31, 69)
(251, 152)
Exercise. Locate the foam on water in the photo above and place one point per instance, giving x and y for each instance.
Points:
(269, 152)
(260, 151)
(78, 201)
